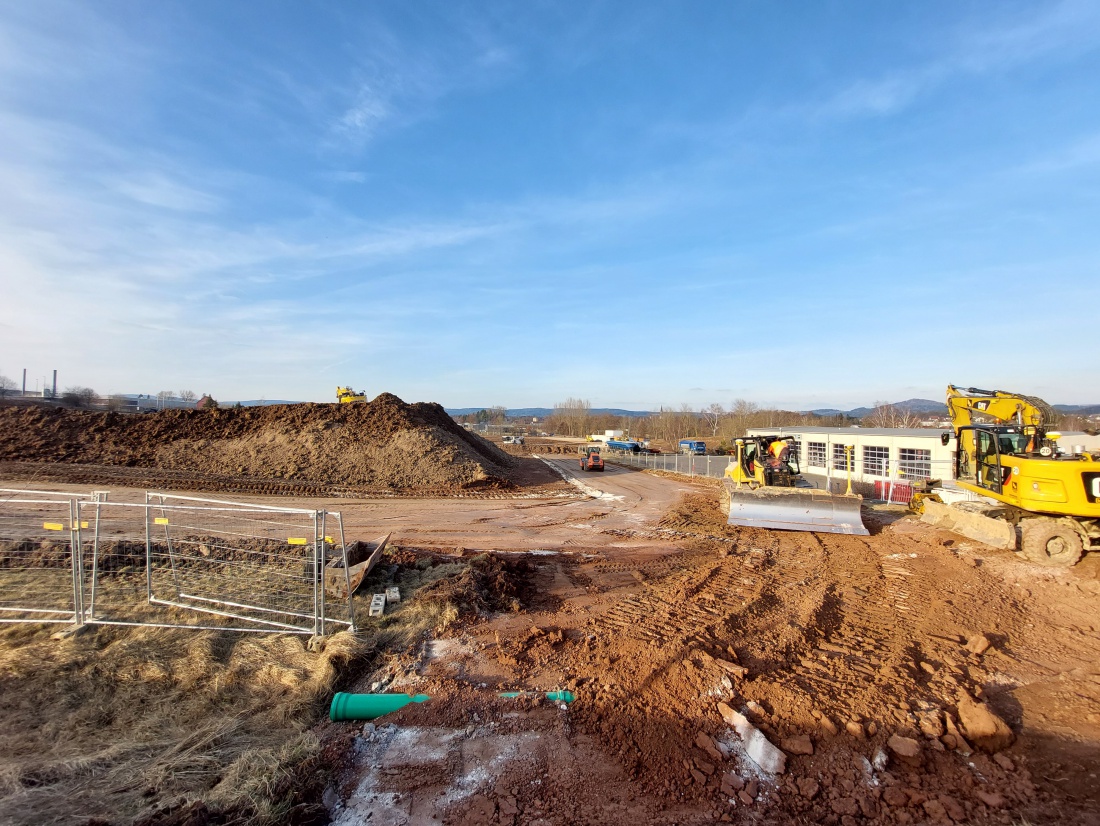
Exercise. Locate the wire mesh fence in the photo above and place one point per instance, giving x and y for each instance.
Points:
(688, 464)
(876, 474)
(258, 564)
(171, 561)
(39, 574)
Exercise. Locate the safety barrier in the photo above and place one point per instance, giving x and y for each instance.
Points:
(172, 561)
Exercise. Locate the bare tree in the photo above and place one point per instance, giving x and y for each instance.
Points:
(6, 385)
(79, 396)
(743, 414)
(890, 415)
(712, 415)
(572, 416)
(188, 395)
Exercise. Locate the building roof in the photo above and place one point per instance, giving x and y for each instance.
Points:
(917, 432)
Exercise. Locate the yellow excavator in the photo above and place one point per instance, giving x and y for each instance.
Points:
(764, 488)
(345, 395)
(1008, 451)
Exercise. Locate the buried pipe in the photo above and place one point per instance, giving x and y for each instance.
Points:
(368, 706)
(553, 696)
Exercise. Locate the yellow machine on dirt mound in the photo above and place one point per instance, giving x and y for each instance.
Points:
(763, 488)
(345, 395)
(1007, 452)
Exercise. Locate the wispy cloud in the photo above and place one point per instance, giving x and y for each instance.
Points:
(157, 190)
(1066, 27)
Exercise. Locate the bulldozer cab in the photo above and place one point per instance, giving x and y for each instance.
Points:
(758, 463)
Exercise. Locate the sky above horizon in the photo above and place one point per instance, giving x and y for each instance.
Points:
(638, 204)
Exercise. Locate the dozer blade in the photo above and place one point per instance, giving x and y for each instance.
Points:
(971, 523)
(794, 509)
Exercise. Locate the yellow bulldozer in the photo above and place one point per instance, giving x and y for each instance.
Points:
(1007, 450)
(345, 395)
(764, 488)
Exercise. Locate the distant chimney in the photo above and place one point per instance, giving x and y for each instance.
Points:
(24, 381)
(55, 384)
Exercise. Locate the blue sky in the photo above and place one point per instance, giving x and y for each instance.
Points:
(639, 204)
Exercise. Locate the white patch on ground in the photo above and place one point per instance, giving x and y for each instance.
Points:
(746, 766)
(450, 649)
(389, 755)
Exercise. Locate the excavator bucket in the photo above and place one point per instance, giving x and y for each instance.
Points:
(793, 509)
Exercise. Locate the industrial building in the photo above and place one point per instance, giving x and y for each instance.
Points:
(878, 454)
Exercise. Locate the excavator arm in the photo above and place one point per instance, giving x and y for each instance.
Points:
(970, 406)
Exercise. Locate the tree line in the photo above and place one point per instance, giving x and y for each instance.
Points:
(721, 425)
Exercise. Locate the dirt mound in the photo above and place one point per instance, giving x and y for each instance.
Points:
(383, 444)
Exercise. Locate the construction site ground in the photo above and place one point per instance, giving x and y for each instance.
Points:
(628, 589)
(909, 676)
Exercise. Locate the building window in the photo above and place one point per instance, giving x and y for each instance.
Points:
(815, 454)
(840, 458)
(876, 460)
(915, 463)
(796, 450)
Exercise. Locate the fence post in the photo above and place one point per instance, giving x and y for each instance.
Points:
(77, 562)
(148, 552)
(317, 574)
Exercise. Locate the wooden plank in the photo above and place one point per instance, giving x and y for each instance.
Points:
(336, 581)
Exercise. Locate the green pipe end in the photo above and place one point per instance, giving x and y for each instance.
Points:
(368, 706)
(553, 696)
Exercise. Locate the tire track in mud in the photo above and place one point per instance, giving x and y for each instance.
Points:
(192, 481)
(821, 616)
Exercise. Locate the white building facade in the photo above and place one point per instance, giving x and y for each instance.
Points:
(878, 454)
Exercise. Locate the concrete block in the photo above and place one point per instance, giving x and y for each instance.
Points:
(393, 595)
(377, 605)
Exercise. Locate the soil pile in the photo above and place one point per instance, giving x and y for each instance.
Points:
(384, 444)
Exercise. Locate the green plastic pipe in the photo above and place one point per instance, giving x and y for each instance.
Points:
(368, 706)
(553, 696)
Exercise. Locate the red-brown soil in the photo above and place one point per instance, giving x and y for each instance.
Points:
(304, 449)
(846, 641)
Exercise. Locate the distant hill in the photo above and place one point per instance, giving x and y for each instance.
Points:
(926, 408)
(1078, 409)
(921, 407)
(543, 412)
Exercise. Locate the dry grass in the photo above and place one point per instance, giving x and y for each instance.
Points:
(113, 720)
(105, 723)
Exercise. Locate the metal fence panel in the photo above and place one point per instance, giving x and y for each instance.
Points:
(39, 573)
(255, 564)
(172, 561)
